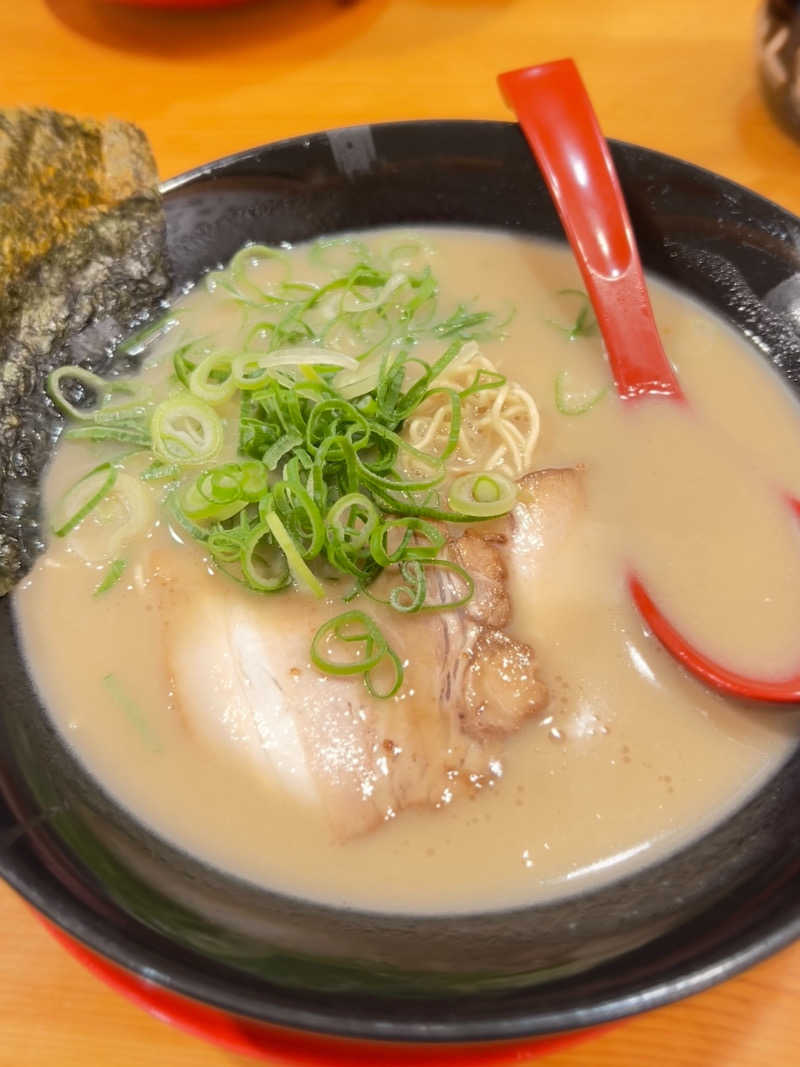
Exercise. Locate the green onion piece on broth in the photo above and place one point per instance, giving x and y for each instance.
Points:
(158, 472)
(250, 257)
(337, 636)
(131, 710)
(584, 324)
(570, 403)
(111, 577)
(89, 382)
(212, 379)
(395, 679)
(134, 434)
(300, 570)
(264, 566)
(186, 430)
(484, 494)
(83, 497)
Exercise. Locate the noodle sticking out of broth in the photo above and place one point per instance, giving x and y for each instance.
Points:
(499, 425)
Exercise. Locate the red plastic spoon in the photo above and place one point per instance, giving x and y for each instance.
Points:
(558, 120)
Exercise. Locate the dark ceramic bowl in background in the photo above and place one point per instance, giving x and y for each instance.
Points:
(702, 915)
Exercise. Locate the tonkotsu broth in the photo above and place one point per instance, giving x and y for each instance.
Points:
(631, 759)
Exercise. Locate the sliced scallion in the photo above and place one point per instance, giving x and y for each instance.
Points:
(251, 370)
(396, 677)
(185, 430)
(135, 434)
(569, 403)
(351, 302)
(158, 472)
(137, 342)
(345, 630)
(484, 494)
(264, 565)
(133, 713)
(584, 323)
(212, 379)
(251, 256)
(89, 382)
(81, 498)
(297, 565)
(111, 577)
(351, 521)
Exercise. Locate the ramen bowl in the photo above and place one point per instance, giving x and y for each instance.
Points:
(156, 914)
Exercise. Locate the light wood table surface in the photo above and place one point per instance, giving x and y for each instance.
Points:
(676, 76)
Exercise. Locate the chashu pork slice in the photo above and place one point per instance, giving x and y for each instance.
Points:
(495, 682)
(239, 671)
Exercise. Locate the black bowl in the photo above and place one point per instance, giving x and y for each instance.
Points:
(698, 917)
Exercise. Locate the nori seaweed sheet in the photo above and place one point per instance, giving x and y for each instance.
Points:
(82, 261)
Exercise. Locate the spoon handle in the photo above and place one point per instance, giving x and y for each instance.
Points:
(558, 120)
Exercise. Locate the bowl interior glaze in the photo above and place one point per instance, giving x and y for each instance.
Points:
(674, 928)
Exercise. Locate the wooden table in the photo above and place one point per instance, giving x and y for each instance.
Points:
(675, 76)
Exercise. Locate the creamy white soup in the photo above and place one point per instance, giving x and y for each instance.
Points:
(539, 741)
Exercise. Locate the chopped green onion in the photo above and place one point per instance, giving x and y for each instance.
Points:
(351, 521)
(252, 479)
(355, 382)
(485, 489)
(83, 497)
(198, 508)
(297, 565)
(338, 253)
(212, 379)
(411, 595)
(101, 411)
(90, 382)
(350, 302)
(569, 404)
(397, 676)
(410, 528)
(158, 471)
(422, 509)
(408, 255)
(484, 379)
(483, 494)
(111, 577)
(133, 434)
(466, 325)
(250, 256)
(350, 628)
(125, 511)
(137, 342)
(132, 711)
(265, 567)
(186, 430)
(222, 492)
(182, 364)
(275, 453)
(454, 399)
(584, 324)
(252, 370)
(299, 511)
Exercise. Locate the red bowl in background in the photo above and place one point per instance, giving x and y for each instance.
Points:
(176, 3)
